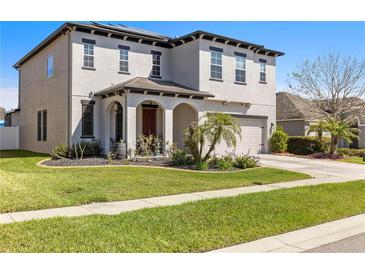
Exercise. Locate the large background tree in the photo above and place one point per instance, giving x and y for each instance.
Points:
(334, 83)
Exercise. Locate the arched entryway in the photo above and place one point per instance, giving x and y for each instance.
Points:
(116, 123)
(183, 116)
(150, 119)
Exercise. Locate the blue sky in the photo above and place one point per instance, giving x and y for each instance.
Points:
(299, 41)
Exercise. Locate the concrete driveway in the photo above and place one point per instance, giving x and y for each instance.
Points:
(315, 167)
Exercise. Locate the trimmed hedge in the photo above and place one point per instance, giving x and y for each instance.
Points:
(279, 140)
(304, 145)
(351, 152)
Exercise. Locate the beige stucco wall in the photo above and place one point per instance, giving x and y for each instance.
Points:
(293, 128)
(37, 92)
(184, 63)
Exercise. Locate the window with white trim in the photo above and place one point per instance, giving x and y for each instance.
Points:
(156, 64)
(216, 63)
(88, 53)
(240, 68)
(262, 70)
(50, 69)
(123, 58)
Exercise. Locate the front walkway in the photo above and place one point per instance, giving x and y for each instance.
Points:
(307, 239)
(113, 208)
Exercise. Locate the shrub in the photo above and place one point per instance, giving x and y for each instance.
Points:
(90, 148)
(179, 157)
(60, 151)
(225, 163)
(201, 166)
(246, 161)
(351, 152)
(322, 145)
(279, 140)
(304, 145)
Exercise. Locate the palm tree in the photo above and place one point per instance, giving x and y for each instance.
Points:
(214, 128)
(339, 129)
(319, 128)
(221, 126)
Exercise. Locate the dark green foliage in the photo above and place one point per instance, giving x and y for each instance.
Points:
(181, 158)
(305, 145)
(246, 161)
(351, 152)
(279, 140)
(92, 148)
(201, 166)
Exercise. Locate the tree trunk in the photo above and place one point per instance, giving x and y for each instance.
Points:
(212, 146)
(334, 141)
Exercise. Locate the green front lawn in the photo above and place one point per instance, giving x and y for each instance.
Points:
(25, 186)
(354, 160)
(191, 227)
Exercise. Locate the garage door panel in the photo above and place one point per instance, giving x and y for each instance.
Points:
(252, 138)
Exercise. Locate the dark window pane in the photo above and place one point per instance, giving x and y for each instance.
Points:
(87, 120)
(44, 136)
(216, 72)
(39, 125)
(240, 75)
(262, 76)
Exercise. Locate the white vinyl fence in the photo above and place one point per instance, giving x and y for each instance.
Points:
(9, 138)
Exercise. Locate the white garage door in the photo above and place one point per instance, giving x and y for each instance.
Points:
(252, 138)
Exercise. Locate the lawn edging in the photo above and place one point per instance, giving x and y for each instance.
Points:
(40, 164)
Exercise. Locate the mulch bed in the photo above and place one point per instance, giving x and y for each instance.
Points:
(100, 161)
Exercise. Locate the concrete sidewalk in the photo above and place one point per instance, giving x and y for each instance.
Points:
(304, 239)
(113, 208)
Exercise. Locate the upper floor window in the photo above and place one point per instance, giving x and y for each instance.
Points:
(240, 67)
(262, 70)
(123, 58)
(50, 69)
(88, 53)
(156, 64)
(87, 126)
(216, 63)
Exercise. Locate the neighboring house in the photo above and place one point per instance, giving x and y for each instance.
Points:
(112, 82)
(12, 118)
(295, 115)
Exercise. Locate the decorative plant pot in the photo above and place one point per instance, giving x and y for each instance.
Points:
(120, 150)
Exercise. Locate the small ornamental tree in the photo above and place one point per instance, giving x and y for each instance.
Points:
(279, 140)
(214, 128)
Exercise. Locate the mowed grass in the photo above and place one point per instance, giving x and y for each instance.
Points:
(354, 160)
(191, 227)
(25, 186)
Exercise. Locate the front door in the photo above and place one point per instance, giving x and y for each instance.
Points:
(149, 121)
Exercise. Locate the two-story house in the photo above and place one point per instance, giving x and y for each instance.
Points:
(111, 82)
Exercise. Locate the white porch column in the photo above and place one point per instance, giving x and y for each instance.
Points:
(168, 127)
(131, 127)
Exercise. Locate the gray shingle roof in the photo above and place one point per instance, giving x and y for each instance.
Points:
(146, 84)
(290, 106)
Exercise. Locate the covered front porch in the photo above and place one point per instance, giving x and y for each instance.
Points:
(160, 110)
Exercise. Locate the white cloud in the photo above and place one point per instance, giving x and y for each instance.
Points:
(9, 97)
